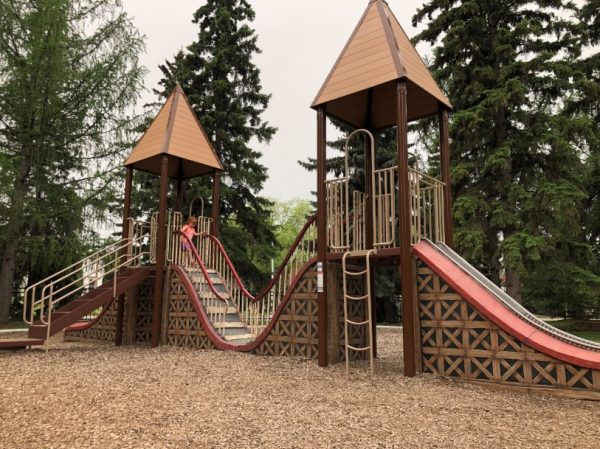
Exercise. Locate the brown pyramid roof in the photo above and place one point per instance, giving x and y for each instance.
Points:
(360, 89)
(177, 132)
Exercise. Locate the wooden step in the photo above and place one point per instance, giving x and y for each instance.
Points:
(238, 337)
(223, 310)
(38, 331)
(208, 295)
(20, 343)
(229, 325)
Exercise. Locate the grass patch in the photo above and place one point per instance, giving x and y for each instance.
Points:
(13, 325)
(571, 326)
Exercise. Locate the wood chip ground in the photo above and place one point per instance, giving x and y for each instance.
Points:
(81, 395)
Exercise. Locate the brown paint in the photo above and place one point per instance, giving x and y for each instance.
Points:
(176, 131)
(160, 252)
(445, 162)
(126, 215)
(406, 261)
(215, 211)
(322, 231)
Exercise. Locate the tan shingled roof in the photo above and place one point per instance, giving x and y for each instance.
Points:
(378, 52)
(177, 132)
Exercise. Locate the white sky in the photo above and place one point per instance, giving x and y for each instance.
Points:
(300, 41)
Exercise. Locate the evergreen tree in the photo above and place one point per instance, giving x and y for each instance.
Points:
(223, 85)
(517, 177)
(68, 74)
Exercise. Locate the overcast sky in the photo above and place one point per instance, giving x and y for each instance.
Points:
(300, 41)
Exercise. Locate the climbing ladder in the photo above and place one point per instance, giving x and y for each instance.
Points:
(368, 322)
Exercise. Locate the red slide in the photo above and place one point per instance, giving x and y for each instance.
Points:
(504, 311)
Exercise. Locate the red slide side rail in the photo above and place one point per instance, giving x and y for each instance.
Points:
(212, 334)
(485, 303)
(236, 276)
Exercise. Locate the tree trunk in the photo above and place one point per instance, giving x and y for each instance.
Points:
(7, 278)
(15, 230)
(513, 285)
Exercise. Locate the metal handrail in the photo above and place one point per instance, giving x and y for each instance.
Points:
(117, 255)
(255, 311)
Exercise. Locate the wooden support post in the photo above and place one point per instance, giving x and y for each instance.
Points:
(322, 231)
(406, 261)
(334, 292)
(216, 203)
(445, 162)
(160, 251)
(126, 215)
(180, 196)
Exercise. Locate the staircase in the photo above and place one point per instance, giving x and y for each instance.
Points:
(42, 329)
(221, 310)
(367, 323)
(65, 297)
(99, 297)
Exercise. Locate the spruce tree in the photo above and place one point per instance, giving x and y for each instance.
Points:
(68, 75)
(508, 67)
(218, 74)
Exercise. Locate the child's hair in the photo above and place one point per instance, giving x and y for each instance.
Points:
(191, 220)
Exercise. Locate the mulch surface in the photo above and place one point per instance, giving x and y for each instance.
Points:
(81, 395)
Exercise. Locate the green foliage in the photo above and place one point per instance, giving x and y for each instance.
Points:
(289, 217)
(217, 73)
(511, 69)
(69, 74)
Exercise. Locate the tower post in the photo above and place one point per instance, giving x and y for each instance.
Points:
(322, 231)
(404, 210)
(216, 203)
(445, 166)
(126, 215)
(161, 239)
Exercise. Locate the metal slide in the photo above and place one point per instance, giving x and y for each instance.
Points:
(511, 304)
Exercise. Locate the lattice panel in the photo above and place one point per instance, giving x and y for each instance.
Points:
(295, 334)
(103, 330)
(143, 312)
(184, 328)
(457, 341)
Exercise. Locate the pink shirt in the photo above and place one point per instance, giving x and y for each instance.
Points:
(188, 231)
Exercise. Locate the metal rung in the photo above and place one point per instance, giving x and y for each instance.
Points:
(356, 273)
(354, 348)
(357, 298)
(357, 323)
(361, 253)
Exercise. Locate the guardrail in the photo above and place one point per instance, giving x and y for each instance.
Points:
(255, 311)
(85, 275)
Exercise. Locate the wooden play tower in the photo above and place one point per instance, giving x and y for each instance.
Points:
(380, 81)
(158, 286)
(174, 147)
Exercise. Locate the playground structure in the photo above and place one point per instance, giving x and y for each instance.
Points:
(147, 289)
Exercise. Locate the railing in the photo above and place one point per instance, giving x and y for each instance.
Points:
(175, 222)
(255, 311)
(346, 222)
(427, 203)
(384, 207)
(338, 212)
(82, 277)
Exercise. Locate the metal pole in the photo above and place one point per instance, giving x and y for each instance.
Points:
(322, 232)
(445, 160)
(126, 215)
(404, 211)
(160, 251)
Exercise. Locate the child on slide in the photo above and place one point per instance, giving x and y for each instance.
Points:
(189, 231)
